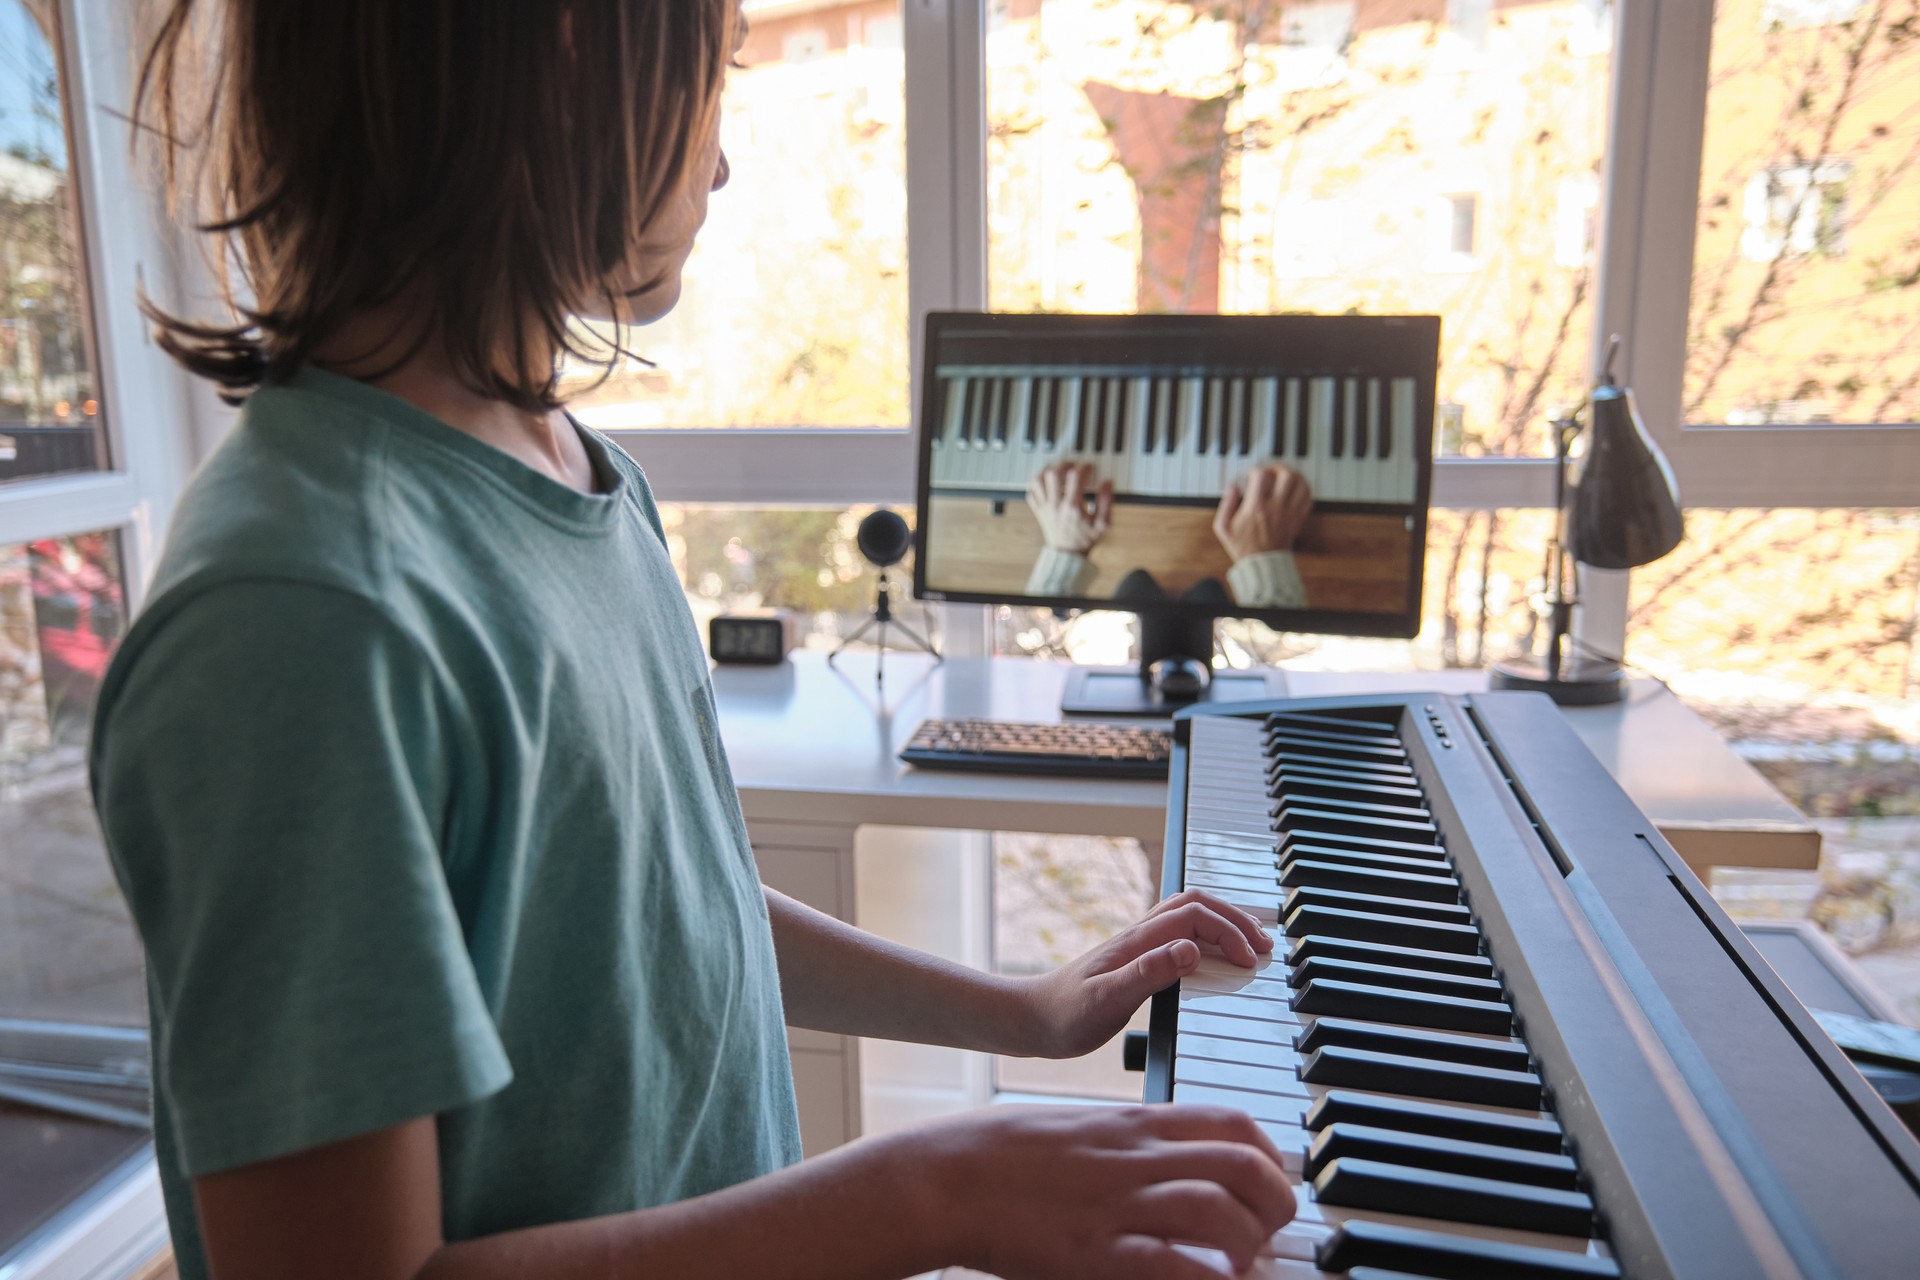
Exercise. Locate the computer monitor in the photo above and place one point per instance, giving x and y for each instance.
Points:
(1082, 462)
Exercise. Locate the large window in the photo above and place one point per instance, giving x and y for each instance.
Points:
(1157, 155)
(1806, 281)
(49, 401)
(795, 306)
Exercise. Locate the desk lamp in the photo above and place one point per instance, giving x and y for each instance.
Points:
(1624, 512)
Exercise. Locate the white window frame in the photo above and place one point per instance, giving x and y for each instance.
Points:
(127, 242)
(1646, 278)
(150, 407)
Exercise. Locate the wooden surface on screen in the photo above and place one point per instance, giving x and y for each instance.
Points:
(1348, 561)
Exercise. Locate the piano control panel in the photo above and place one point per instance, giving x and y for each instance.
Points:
(1503, 1032)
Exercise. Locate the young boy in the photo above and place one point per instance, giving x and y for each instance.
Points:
(458, 962)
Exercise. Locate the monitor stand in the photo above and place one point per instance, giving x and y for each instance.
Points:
(1133, 691)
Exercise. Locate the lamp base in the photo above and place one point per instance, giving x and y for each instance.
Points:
(1583, 682)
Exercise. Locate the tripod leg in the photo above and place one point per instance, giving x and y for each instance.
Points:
(918, 639)
(854, 639)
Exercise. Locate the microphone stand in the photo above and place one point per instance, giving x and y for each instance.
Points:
(882, 618)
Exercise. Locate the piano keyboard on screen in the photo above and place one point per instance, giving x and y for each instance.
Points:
(1175, 435)
(1503, 1032)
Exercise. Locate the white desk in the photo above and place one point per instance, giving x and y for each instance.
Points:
(813, 750)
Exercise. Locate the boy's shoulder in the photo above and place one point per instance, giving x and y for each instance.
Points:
(288, 495)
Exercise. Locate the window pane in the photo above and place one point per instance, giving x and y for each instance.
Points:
(1806, 276)
(1167, 156)
(50, 415)
(1794, 633)
(804, 559)
(1054, 898)
(794, 311)
(73, 1057)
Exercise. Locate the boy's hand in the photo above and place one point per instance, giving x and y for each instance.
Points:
(1079, 1193)
(1083, 1004)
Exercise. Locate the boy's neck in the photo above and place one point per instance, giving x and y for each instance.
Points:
(546, 442)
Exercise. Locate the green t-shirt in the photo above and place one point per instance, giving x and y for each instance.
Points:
(410, 774)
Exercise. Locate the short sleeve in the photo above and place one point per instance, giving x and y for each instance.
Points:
(273, 766)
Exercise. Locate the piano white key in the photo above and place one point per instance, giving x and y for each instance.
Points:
(1185, 465)
(1263, 1081)
(1266, 418)
(1265, 1268)
(1226, 1027)
(1131, 455)
(1222, 882)
(1213, 469)
(1274, 1057)
(1253, 986)
(1066, 404)
(1318, 463)
(1227, 1005)
(1164, 476)
(1261, 1106)
(1404, 468)
(1373, 475)
(1348, 466)
(1264, 966)
(1019, 419)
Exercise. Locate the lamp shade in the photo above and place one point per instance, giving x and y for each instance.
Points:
(1626, 508)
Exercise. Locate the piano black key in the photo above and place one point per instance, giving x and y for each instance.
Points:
(1169, 416)
(1304, 949)
(1370, 1069)
(1407, 1008)
(1209, 413)
(1384, 753)
(1344, 1106)
(1362, 438)
(1353, 806)
(1509, 1055)
(1311, 756)
(1401, 908)
(1445, 1256)
(1337, 440)
(1382, 429)
(1326, 790)
(1237, 415)
(1046, 399)
(1002, 412)
(1447, 1155)
(1422, 867)
(1243, 428)
(1399, 977)
(1149, 436)
(1300, 872)
(1372, 926)
(1118, 390)
(1302, 431)
(1335, 821)
(1329, 839)
(1453, 1197)
(1276, 444)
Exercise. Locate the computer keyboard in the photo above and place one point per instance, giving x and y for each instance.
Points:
(1091, 749)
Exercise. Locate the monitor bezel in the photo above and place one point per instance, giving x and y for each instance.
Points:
(1417, 339)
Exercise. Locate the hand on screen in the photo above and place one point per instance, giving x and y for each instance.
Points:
(1058, 498)
(1263, 512)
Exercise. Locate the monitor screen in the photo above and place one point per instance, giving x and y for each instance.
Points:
(1274, 467)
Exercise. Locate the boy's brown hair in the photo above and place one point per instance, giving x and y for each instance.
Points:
(501, 157)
